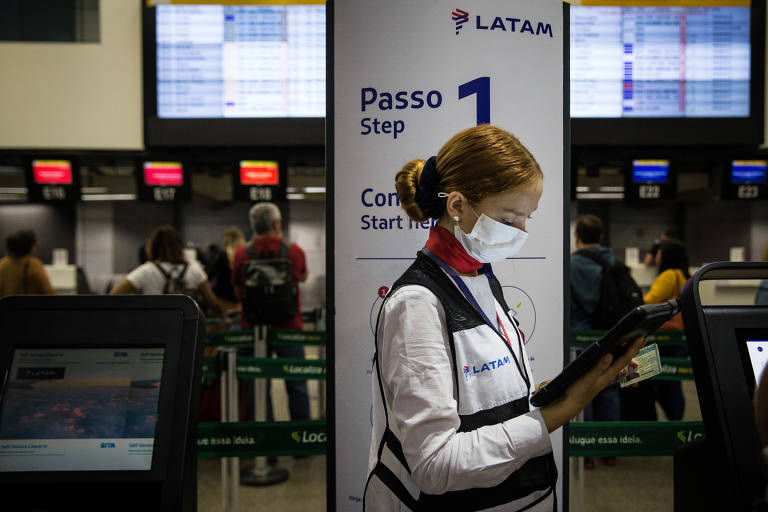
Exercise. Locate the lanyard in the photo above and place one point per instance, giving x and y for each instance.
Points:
(471, 299)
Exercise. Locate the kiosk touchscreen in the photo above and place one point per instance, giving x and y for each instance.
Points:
(98, 402)
(728, 345)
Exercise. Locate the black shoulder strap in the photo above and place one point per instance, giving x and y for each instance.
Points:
(166, 275)
(283, 250)
(251, 250)
(594, 257)
(183, 270)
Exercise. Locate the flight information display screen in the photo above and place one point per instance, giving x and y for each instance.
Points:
(650, 171)
(80, 409)
(748, 171)
(240, 61)
(660, 62)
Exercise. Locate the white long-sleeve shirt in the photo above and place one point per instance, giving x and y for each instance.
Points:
(420, 391)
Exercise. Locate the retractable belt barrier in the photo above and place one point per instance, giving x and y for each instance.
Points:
(631, 438)
(251, 439)
(244, 338)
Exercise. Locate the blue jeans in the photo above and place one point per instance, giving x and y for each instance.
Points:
(298, 397)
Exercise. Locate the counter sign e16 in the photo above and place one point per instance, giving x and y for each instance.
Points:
(51, 180)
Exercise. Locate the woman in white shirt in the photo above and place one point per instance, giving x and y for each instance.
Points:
(167, 271)
(452, 425)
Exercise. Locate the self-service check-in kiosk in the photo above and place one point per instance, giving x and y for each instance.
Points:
(98, 402)
(729, 349)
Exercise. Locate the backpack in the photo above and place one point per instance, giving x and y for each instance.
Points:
(619, 293)
(270, 295)
(175, 284)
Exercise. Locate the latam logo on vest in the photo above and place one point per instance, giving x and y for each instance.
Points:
(485, 367)
(502, 24)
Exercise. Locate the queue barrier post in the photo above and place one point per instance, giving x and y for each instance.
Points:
(230, 466)
(262, 473)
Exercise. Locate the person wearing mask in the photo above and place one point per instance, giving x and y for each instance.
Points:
(267, 226)
(639, 404)
(166, 271)
(21, 273)
(464, 441)
(586, 275)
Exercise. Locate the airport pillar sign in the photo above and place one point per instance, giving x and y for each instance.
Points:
(405, 77)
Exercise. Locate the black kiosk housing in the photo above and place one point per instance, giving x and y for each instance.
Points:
(163, 337)
(722, 470)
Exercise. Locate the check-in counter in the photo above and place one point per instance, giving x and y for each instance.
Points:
(734, 292)
(63, 278)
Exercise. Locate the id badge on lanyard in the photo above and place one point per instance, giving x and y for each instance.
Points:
(500, 330)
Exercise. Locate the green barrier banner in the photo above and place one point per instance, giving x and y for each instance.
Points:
(248, 439)
(662, 338)
(230, 339)
(279, 337)
(271, 368)
(675, 368)
(631, 438)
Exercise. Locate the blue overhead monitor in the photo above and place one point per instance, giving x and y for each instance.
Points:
(650, 171)
(748, 171)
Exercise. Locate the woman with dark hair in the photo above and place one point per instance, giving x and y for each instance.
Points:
(639, 404)
(672, 260)
(166, 271)
(21, 273)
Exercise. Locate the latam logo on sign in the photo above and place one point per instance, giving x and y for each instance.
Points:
(52, 172)
(502, 24)
(163, 174)
(259, 173)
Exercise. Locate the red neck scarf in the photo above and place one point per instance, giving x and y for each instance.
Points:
(445, 246)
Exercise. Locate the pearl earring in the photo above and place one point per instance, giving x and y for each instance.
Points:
(456, 218)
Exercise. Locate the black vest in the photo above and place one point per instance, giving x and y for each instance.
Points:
(474, 407)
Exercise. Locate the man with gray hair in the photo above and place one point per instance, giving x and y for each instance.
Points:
(266, 223)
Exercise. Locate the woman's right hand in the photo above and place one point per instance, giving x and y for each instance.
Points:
(581, 392)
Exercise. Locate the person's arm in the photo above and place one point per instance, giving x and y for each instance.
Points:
(298, 263)
(41, 276)
(581, 392)
(241, 256)
(124, 287)
(210, 299)
(662, 288)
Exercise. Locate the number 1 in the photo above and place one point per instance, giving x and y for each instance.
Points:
(482, 87)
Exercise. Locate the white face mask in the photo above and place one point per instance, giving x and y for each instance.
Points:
(491, 240)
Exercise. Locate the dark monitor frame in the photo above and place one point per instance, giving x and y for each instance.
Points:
(171, 322)
(727, 131)
(219, 132)
(722, 383)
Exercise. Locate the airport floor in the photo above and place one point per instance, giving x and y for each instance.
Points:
(640, 484)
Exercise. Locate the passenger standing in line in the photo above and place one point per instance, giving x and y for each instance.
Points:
(267, 226)
(443, 438)
(21, 273)
(650, 256)
(639, 404)
(166, 268)
(761, 297)
(586, 276)
(221, 272)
